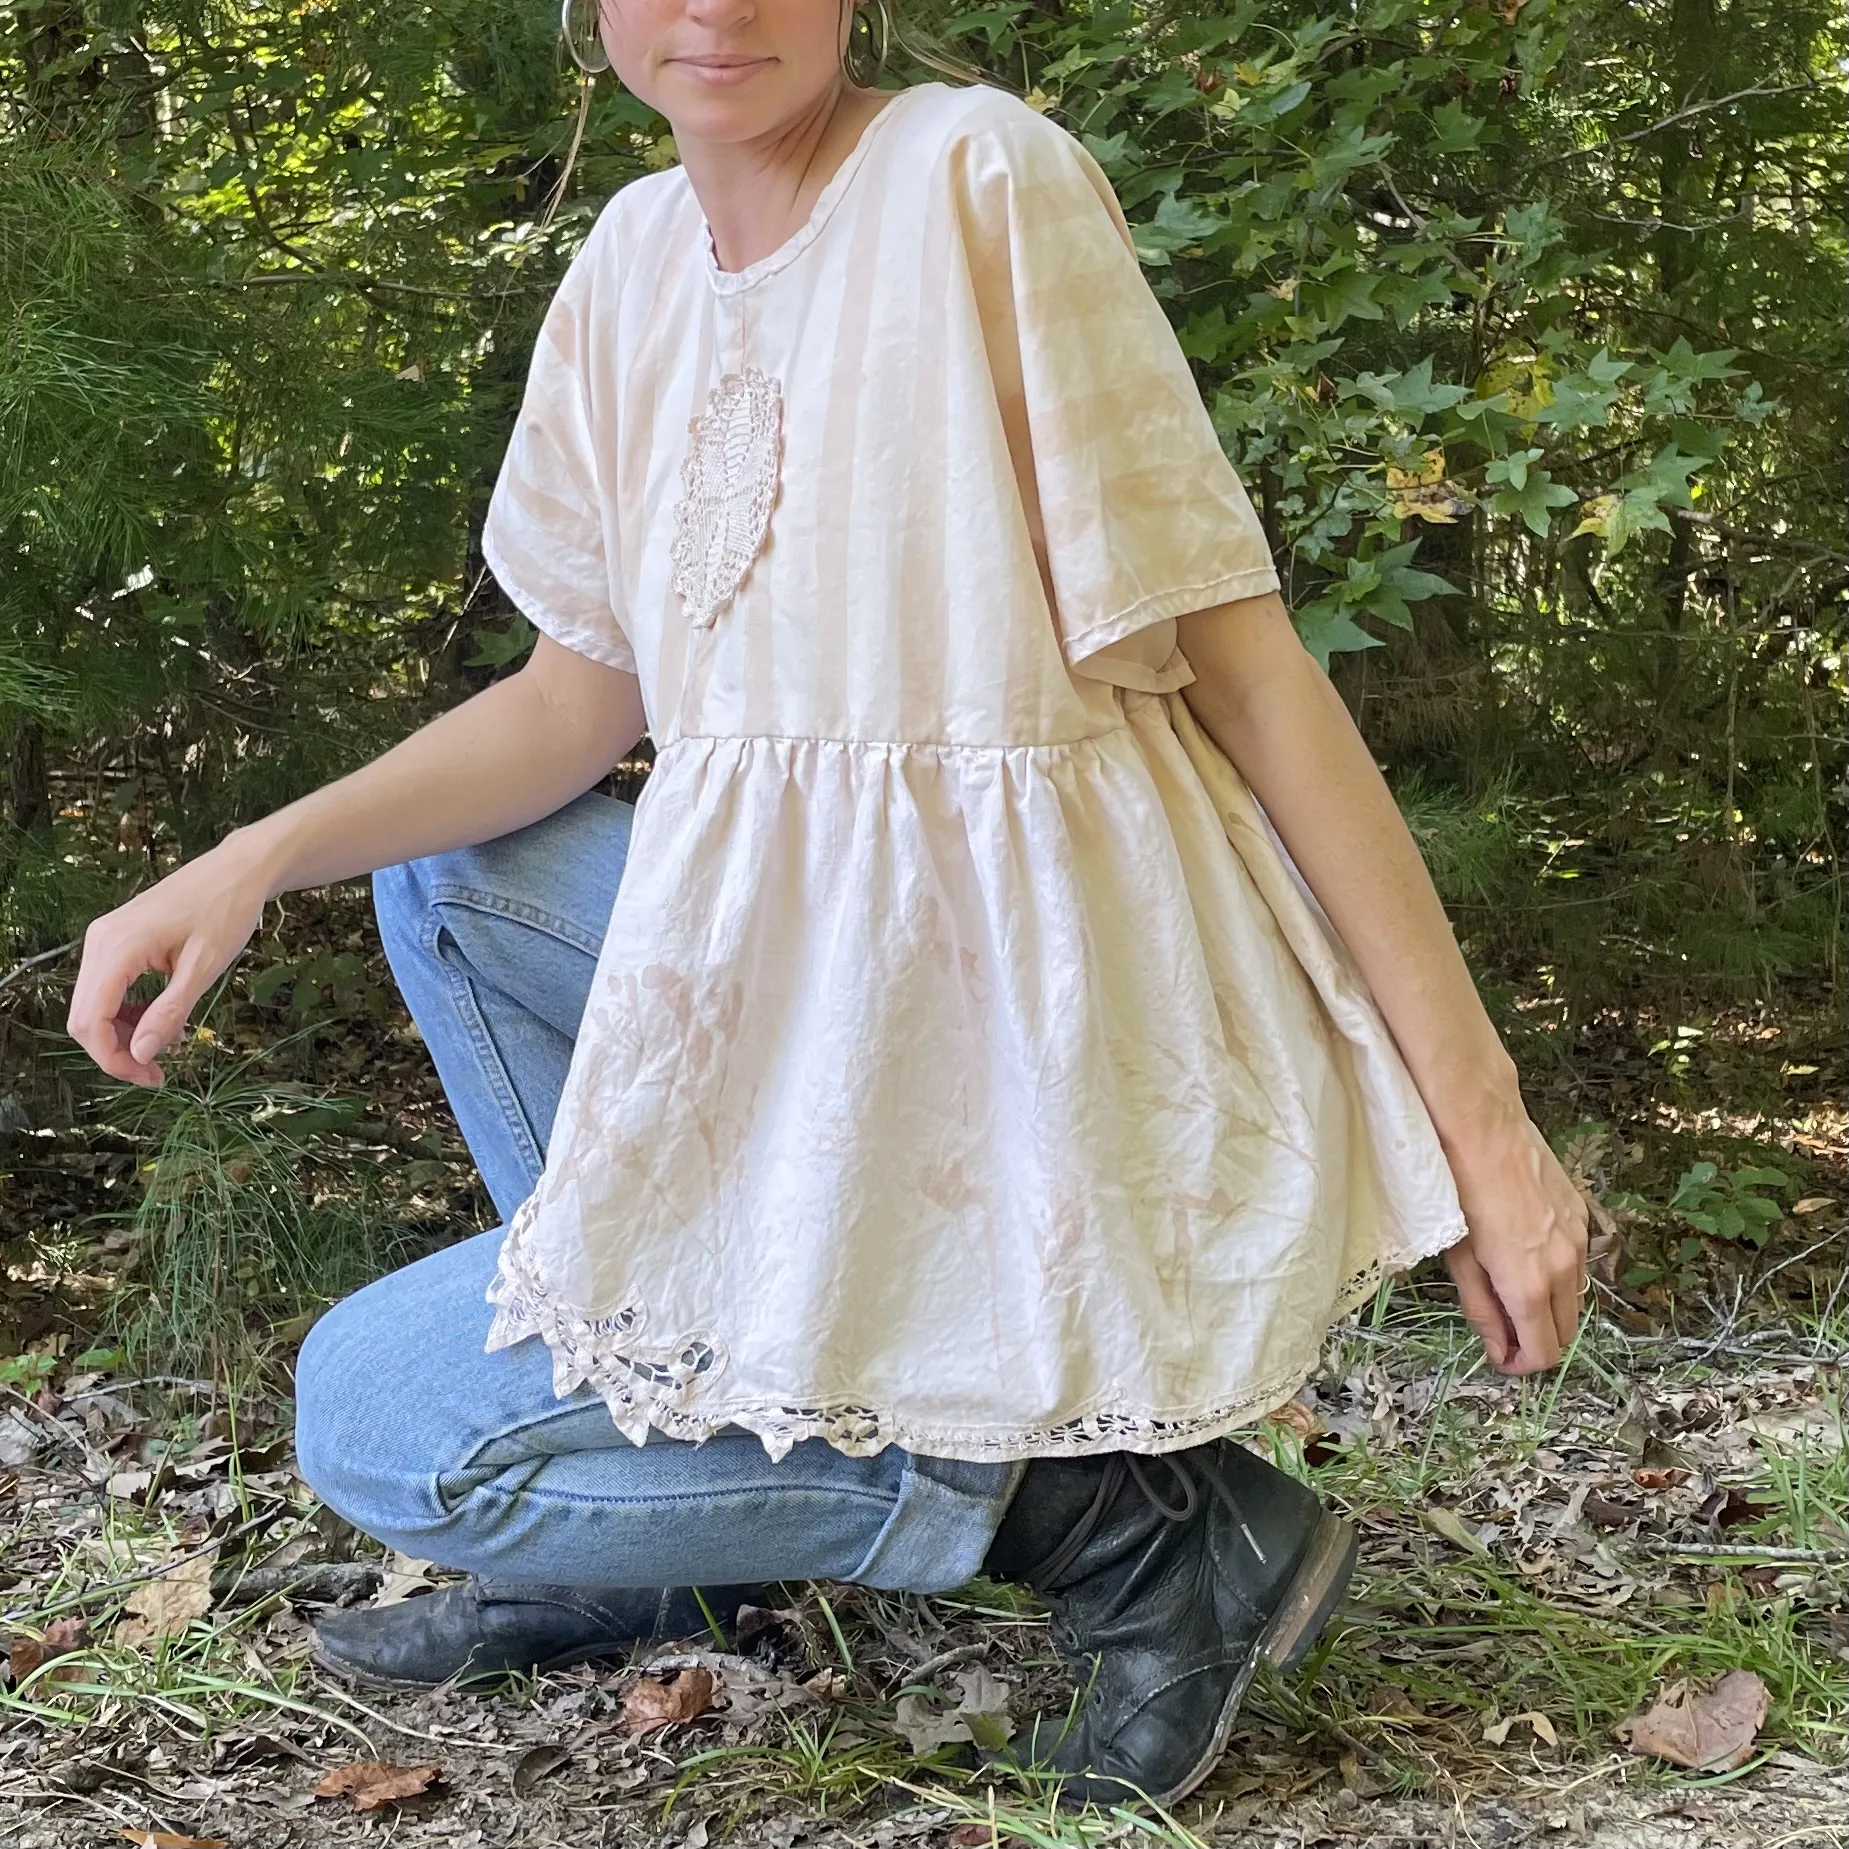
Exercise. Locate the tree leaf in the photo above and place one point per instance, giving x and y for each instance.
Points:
(164, 1607)
(371, 1783)
(661, 1701)
(1712, 1732)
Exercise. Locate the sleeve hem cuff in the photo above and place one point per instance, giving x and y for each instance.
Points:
(610, 651)
(1160, 605)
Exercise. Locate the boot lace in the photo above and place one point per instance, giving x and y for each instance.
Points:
(1188, 1471)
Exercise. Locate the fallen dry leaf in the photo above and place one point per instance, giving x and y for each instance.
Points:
(165, 1839)
(20, 1440)
(1292, 1416)
(405, 1578)
(1652, 1476)
(1709, 1732)
(166, 1606)
(1497, 1732)
(681, 1695)
(536, 1763)
(1451, 1525)
(62, 1636)
(372, 1782)
(980, 1717)
(1727, 1508)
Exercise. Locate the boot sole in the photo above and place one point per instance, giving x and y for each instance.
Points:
(1309, 1602)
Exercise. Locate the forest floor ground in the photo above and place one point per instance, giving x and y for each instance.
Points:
(1542, 1561)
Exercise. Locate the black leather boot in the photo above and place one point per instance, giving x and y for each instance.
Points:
(481, 1629)
(1170, 1580)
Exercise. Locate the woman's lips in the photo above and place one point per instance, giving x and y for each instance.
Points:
(721, 70)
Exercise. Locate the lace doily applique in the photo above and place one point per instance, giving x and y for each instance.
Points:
(728, 485)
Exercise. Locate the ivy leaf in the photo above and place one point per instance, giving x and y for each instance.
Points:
(1326, 628)
(495, 648)
(1177, 223)
(1534, 498)
(1458, 130)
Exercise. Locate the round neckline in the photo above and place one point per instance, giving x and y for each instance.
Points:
(731, 282)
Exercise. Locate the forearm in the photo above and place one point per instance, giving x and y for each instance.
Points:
(513, 753)
(1277, 717)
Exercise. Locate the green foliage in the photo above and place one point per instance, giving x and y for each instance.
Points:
(233, 1240)
(1739, 1205)
(1521, 320)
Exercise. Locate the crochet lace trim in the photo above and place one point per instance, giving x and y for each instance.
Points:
(672, 1387)
(728, 486)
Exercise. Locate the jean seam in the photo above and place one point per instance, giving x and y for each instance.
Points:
(489, 1062)
(833, 1496)
(552, 923)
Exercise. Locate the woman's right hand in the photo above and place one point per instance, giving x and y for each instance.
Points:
(187, 928)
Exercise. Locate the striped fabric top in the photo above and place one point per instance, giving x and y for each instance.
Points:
(964, 1067)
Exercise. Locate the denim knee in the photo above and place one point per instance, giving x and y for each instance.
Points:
(344, 1395)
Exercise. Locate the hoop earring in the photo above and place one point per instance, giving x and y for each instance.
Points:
(867, 51)
(585, 48)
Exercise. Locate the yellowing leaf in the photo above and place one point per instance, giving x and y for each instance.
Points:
(1428, 469)
(1595, 515)
(166, 1606)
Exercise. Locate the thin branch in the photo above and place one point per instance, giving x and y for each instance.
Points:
(1684, 115)
(32, 963)
(1808, 547)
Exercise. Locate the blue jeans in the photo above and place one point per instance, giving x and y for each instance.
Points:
(411, 1431)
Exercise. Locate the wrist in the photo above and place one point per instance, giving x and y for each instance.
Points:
(256, 856)
(1485, 1103)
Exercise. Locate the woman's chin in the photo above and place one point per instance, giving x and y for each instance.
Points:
(730, 103)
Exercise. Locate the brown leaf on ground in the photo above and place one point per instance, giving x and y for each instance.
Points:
(62, 1636)
(660, 1701)
(405, 1578)
(1727, 1508)
(165, 1839)
(1602, 1512)
(536, 1763)
(1652, 1476)
(1714, 1731)
(1295, 1416)
(166, 1606)
(372, 1782)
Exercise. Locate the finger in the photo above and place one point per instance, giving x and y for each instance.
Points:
(1567, 1293)
(1477, 1299)
(101, 1022)
(163, 1021)
(1537, 1339)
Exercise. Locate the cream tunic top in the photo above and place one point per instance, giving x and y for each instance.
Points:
(965, 1066)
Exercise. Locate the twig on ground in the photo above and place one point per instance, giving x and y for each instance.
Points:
(91, 1595)
(323, 1582)
(947, 1659)
(148, 1380)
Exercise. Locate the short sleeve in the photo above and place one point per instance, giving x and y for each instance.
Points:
(1140, 517)
(547, 538)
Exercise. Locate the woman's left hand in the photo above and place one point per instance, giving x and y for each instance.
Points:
(1521, 1270)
